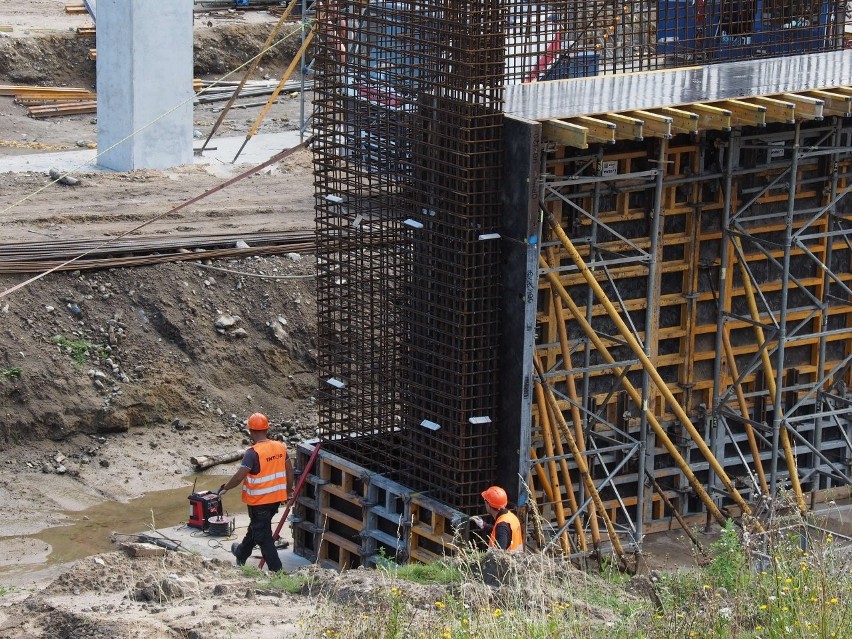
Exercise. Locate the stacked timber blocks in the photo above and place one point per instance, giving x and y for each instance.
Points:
(347, 517)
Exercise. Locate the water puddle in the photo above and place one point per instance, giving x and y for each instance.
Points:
(91, 530)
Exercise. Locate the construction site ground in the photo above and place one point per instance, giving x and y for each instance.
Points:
(110, 380)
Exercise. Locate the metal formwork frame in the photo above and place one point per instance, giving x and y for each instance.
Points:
(809, 234)
(754, 227)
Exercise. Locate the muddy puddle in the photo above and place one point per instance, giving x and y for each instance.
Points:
(90, 531)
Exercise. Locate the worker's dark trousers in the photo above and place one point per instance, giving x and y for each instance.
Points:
(259, 533)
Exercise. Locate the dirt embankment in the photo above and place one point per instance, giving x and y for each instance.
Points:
(100, 352)
(62, 59)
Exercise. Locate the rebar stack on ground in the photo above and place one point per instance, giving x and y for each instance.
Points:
(34, 257)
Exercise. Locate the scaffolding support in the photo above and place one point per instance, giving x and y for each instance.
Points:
(772, 264)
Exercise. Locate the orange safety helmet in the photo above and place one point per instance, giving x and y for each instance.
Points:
(258, 421)
(495, 497)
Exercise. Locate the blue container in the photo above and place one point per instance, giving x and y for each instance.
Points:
(574, 64)
(676, 27)
(777, 35)
(733, 26)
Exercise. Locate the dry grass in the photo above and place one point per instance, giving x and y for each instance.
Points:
(792, 581)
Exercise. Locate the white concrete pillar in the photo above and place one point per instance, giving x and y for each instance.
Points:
(144, 83)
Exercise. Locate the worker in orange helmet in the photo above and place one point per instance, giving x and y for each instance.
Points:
(266, 474)
(505, 532)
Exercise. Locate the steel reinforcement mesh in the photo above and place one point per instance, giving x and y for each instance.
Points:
(584, 38)
(407, 154)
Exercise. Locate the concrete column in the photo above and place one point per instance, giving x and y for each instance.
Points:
(144, 83)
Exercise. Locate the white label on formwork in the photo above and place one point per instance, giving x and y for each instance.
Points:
(776, 149)
(609, 168)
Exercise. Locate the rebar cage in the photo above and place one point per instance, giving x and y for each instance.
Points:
(408, 157)
(408, 122)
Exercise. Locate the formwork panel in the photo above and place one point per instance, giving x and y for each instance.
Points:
(351, 517)
(766, 242)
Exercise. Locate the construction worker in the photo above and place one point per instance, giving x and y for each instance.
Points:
(505, 532)
(266, 474)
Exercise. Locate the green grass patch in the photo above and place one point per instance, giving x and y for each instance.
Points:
(11, 373)
(294, 584)
(793, 581)
(438, 572)
(79, 349)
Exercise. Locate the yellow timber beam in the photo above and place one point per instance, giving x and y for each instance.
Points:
(664, 122)
(566, 134)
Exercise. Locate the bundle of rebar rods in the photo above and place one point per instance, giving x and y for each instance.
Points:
(221, 91)
(32, 257)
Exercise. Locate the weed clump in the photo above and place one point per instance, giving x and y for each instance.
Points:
(78, 349)
(792, 581)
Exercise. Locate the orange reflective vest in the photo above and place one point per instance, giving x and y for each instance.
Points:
(269, 486)
(516, 543)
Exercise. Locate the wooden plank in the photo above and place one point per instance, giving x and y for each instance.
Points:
(806, 107)
(682, 119)
(49, 94)
(22, 89)
(423, 530)
(656, 125)
(626, 127)
(745, 113)
(712, 117)
(32, 101)
(566, 134)
(346, 495)
(355, 524)
(50, 111)
(777, 110)
(340, 542)
(835, 103)
(40, 98)
(599, 130)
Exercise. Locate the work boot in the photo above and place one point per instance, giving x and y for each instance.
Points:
(235, 547)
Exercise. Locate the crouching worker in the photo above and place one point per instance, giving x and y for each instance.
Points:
(265, 473)
(503, 527)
